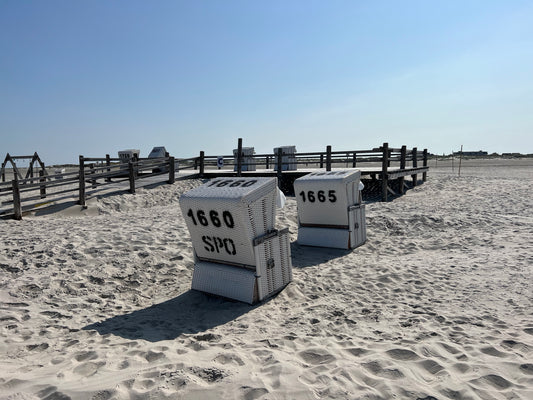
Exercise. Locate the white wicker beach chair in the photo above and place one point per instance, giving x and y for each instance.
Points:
(330, 213)
(239, 253)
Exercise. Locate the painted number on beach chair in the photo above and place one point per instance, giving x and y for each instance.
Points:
(201, 217)
(320, 196)
(232, 183)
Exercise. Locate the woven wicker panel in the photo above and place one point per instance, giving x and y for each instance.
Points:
(224, 280)
(285, 253)
(223, 219)
(323, 198)
(274, 266)
(357, 225)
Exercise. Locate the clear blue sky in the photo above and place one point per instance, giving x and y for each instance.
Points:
(95, 77)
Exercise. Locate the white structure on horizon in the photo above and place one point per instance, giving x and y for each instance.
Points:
(158, 152)
(247, 161)
(126, 155)
(330, 213)
(288, 158)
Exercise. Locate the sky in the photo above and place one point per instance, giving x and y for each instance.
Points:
(95, 77)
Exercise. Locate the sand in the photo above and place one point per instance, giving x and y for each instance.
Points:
(438, 304)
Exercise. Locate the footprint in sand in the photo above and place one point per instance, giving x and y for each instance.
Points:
(357, 351)
(495, 381)
(461, 367)
(491, 351)
(250, 393)
(449, 349)
(402, 354)
(37, 347)
(209, 374)
(152, 356)
(55, 315)
(517, 346)
(89, 368)
(50, 392)
(527, 369)
(144, 384)
(431, 366)
(31, 290)
(229, 358)
(388, 373)
(86, 355)
(316, 356)
(103, 395)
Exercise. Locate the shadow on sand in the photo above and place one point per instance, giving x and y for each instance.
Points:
(190, 313)
(309, 256)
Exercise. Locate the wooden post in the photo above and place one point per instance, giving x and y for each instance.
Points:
(354, 160)
(171, 170)
(279, 161)
(81, 199)
(403, 162)
(415, 164)
(239, 157)
(17, 207)
(131, 173)
(267, 162)
(202, 166)
(321, 161)
(93, 181)
(460, 160)
(32, 162)
(424, 163)
(135, 164)
(108, 163)
(43, 187)
(328, 158)
(3, 172)
(384, 174)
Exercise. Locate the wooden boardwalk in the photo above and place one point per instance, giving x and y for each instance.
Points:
(369, 175)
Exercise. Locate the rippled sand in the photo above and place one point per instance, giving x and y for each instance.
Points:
(438, 304)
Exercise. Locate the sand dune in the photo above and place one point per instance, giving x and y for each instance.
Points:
(438, 304)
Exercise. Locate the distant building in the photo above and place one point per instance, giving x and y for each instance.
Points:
(471, 153)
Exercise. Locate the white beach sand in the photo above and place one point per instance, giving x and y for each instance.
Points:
(438, 304)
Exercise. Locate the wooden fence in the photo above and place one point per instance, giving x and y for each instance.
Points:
(383, 163)
(387, 164)
(29, 194)
(385, 156)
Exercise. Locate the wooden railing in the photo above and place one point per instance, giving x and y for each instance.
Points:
(98, 172)
(30, 193)
(387, 163)
(385, 156)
